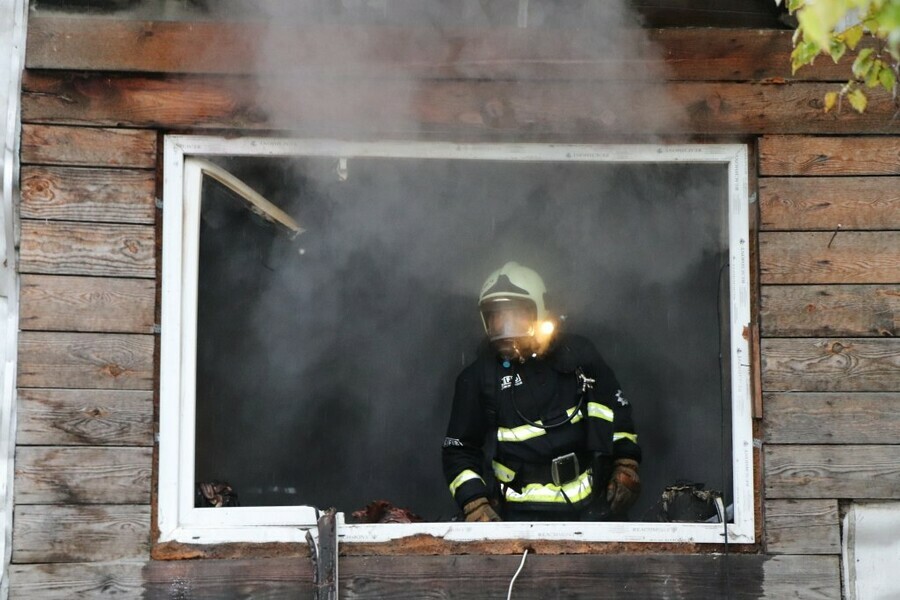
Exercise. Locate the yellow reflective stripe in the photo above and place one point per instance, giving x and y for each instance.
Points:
(600, 411)
(519, 434)
(463, 477)
(527, 432)
(503, 473)
(576, 490)
(624, 435)
(569, 412)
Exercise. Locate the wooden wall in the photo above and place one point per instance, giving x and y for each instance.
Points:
(830, 313)
(97, 95)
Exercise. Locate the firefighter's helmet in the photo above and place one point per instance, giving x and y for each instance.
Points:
(513, 288)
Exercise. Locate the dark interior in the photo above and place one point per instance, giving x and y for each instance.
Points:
(326, 363)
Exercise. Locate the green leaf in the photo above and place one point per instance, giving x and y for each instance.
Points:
(871, 78)
(804, 53)
(852, 36)
(836, 49)
(814, 28)
(858, 100)
(864, 61)
(794, 5)
(887, 79)
(830, 100)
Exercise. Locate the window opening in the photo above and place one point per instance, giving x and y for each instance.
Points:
(316, 370)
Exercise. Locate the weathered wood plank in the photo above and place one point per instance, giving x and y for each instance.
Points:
(82, 475)
(831, 365)
(62, 534)
(88, 194)
(89, 304)
(802, 527)
(63, 248)
(839, 471)
(88, 146)
(830, 310)
(825, 202)
(326, 106)
(106, 44)
(85, 360)
(84, 581)
(268, 578)
(832, 418)
(84, 417)
(807, 577)
(823, 257)
(734, 576)
(800, 155)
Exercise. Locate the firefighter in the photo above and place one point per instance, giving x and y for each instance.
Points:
(566, 447)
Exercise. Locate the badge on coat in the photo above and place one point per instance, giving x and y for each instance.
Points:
(506, 381)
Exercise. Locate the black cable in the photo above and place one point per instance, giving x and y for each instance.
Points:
(512, 397)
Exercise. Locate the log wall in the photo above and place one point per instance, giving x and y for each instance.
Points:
(97, 95)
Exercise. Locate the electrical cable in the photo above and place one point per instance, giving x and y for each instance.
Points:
(519, 570)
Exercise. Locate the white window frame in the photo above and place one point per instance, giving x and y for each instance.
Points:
(179, 521)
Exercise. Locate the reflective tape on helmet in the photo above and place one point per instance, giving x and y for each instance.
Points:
(599, 411)
(502, 472)
(527, 432)
(463, 477)
(624, 435)
(576, 490)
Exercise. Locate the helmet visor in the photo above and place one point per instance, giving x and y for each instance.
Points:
(506, 319)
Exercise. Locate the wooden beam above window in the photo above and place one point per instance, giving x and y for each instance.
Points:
(237, 48)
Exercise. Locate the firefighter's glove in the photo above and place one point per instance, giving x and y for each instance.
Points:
(624, 485)
(480, 510)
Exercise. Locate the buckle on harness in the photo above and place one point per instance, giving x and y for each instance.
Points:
(564, 468)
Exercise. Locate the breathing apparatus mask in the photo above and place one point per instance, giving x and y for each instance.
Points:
(513, 313)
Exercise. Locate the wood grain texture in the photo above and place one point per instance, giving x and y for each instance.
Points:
(268, 578)
(832, 418)
(802, 527)
(82, 475)
(823, 203)
(852, 257)
(84, 417)
(840, 471)
(85, 360)
(63, 248)
(88, 304)
(120, 45)
(332, 107)
(802, 155)
(64, 534)
(830, 310)
(84, 581)
(831, 365)
(88, 194)
(88, 146)
(581, 576)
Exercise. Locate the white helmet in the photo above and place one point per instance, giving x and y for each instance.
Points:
(515, 290)
(512, 281)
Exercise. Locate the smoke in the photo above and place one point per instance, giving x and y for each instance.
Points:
(326, 364)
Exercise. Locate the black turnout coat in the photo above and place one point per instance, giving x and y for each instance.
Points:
(536, 411)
